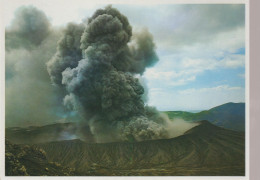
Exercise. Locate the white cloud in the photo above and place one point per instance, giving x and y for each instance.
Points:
(182, 81)
(170, 78)
(229, 41)
(167, 75)
(233, 61)
(229, 61)
(179, 72)
(211, 89)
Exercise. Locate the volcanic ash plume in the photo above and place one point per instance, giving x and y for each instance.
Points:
(68, 52)
(29, 28)
(99, 72)
(30, 42)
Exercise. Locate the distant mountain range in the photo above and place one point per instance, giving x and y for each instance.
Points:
(229, 115)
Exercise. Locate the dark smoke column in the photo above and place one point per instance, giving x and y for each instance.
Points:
(103, 87)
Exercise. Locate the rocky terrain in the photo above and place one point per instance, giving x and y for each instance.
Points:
(24, 160)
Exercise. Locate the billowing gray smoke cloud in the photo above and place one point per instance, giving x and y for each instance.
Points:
(68, 52)
(102, 86)
(29, 28)
(30, 42)
(142, 51)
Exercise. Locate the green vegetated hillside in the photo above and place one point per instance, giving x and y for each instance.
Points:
(203, 150)
(229, 115)
(24, 160)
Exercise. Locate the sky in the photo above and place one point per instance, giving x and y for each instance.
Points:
(201, 48)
